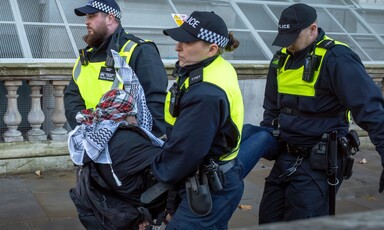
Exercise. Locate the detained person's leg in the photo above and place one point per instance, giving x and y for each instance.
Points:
(256, 142)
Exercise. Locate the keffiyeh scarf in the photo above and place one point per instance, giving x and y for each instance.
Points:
(131, 83)
(98, 126)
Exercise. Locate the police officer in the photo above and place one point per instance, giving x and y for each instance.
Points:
(93, 73)
(204, 111)
(312, 83)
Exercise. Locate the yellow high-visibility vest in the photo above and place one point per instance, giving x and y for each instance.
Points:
(213, 73)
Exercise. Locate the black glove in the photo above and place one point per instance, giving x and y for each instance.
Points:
(381, 182)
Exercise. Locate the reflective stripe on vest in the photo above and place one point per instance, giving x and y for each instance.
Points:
(213, 74)
(290, 81)
(87, 77)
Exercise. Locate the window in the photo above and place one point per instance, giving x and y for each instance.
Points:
(49, 30)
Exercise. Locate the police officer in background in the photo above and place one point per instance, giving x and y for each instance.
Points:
(204, 111)
(93, 73)
(312, 83)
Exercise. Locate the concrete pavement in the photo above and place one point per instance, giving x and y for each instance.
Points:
(30, 202)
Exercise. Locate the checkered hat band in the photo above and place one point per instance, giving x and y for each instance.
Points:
(105, 8)
(212, 37)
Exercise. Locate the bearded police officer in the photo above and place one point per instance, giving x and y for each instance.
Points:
(93, 73)
(312, 84)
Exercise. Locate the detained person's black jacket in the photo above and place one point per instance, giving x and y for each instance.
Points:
(100, 202)
(131, 153)
(146, 63)
(344, 85)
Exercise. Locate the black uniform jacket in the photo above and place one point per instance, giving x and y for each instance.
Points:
(146, 63)
(344, 85)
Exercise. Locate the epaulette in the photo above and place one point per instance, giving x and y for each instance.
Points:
(330, 44)
(135, 39)
(196, 76)
(140, 41)
(326, 44)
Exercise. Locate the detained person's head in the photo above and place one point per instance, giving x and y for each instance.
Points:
(116, 105)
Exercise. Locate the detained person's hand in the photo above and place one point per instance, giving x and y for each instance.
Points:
(143, 225)
(381, 188)
(168, 218)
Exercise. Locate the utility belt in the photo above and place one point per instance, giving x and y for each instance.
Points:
(320, 154)
(210, 176)
(226, 166)
(298, 150)
(290, 111)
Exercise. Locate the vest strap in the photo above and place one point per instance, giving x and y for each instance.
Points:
(154, 192)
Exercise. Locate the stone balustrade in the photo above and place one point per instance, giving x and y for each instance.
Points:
(51, 142)
(36, 77)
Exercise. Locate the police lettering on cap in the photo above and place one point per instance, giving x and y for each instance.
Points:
(292, 21)
(94, 6)
(201, 25)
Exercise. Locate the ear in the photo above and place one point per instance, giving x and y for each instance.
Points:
(212, 50)
(110, 19)
(313, 28)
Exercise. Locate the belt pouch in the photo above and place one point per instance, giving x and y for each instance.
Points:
(318, 156)
(347, 167)
(198, 194)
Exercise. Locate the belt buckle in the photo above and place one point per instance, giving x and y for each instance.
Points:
(292, 149)
(299, 150)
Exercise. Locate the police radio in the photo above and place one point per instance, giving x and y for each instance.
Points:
(174, 105)
(109, 61)
(83, 54)
(310, 66)
(278, 60)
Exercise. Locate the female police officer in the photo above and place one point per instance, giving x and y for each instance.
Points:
(204, 111)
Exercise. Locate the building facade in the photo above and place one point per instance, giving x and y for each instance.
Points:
(40, 39)
(36, 31)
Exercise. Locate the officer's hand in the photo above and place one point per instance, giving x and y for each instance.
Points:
(381, 182)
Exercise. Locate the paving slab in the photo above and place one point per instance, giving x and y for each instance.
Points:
(32, 202)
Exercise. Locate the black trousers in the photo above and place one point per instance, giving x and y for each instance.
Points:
(304, 194)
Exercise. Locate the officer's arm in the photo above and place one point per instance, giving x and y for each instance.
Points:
(270, 105)
(358, 92)
(73, 103)
(149, 68)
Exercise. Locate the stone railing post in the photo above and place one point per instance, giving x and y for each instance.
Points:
(12, 117)
(380, 82)
(58, 133)
(382, 86)
(36, 115)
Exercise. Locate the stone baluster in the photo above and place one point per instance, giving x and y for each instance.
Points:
(12, 117)
(379, 82)
(36, 115)
(382, 86)
(58, 133)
